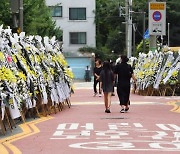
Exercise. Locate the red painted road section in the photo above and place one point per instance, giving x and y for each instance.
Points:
(85, 128)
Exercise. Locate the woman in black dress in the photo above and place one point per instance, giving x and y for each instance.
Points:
(124, 72)
(106, 83)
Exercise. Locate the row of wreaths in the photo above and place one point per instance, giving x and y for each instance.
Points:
(33, 74)
(157, 73)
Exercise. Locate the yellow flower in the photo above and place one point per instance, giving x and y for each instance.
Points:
(32, 58)
(146, 65)
(36, 92)
(42, 56)
(27, 48)
(169, 64)
(7, 74)
(156, 65)
(175, 73)
(69, 73)
(164, 74)
(2, 58)
(10, 76)
(140, 74)
(149, 73)
(14, 58)
(53, 58)
(22, 76)
(152, 65)
(10, 101)
(52, 71)
(60, 58)
(1, 75)
(45, 75)
(38, 59)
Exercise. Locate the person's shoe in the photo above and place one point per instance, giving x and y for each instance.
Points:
(122, 111)
(95, 94)
(100, 95)
(107, 111)
(126, 109)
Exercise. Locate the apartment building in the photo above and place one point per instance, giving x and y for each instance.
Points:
(76, 19)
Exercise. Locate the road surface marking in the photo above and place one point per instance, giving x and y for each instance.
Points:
(117, 102)
(28, 129)
(176, 105)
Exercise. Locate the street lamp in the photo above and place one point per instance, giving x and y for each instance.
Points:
(134, 38)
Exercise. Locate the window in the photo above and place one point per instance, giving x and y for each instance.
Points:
(56, 11)
(78, 38)
(77, 13)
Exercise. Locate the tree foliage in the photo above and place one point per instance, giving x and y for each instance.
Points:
(5, 16)
(108, 25)
(37, 18)
(110, 30)
(173, 17)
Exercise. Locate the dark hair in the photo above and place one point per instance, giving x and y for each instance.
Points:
(107, 70)
(98, 61)
(124, 59)
(106, 66)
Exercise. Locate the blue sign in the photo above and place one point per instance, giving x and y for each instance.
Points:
(146, 34)
(157, 16)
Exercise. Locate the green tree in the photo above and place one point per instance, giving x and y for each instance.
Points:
(109, 26)
(173, 16)
(37, 18)
(5, 16)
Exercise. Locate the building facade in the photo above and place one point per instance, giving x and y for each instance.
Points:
(77, 20)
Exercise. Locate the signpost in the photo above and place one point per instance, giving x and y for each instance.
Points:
(157, 18)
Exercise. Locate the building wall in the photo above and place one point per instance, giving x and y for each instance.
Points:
(78, 66)
(67, 25)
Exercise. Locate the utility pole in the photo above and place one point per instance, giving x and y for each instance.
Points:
(126, 22)
(21, 15)
(128, 17)
(17, 8)
(152, 38)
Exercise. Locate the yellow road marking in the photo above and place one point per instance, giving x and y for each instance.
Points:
(176, 107)
(26, 128)
(3, 149)
(6, 141)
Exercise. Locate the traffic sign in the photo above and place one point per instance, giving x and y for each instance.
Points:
(146, 34)
(157, 16)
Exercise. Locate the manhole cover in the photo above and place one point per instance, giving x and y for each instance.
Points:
(115, 118)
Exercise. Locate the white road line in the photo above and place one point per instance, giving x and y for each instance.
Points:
(117, 102)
